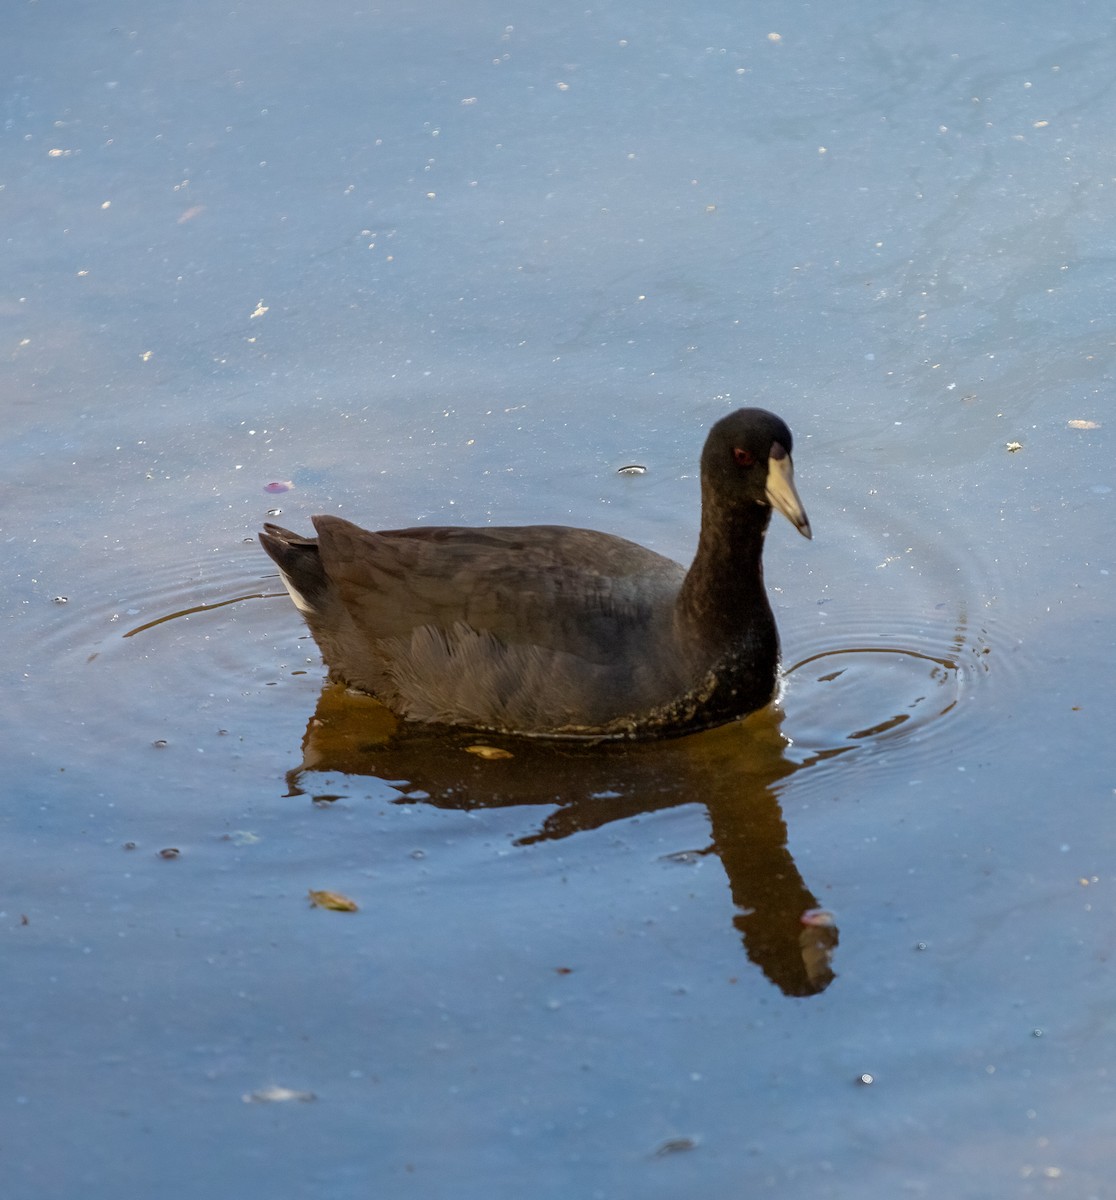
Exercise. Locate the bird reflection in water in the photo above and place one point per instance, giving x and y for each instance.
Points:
(734, 771)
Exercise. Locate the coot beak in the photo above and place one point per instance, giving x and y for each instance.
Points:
(781, 491)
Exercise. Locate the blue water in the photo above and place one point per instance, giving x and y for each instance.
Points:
(460, 264)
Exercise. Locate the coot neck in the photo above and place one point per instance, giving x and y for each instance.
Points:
(722, 601)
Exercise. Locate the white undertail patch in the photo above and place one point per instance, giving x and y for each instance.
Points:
(300, 601)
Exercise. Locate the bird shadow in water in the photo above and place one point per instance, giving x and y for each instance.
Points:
(735, 771)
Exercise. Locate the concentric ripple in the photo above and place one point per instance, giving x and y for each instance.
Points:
(887, 659)
(180, 637)
(883, 658)
(849, 695)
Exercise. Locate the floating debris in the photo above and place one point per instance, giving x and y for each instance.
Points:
(278, 485)
(1083, 424)
(684, 858)
(675, 1146)
(818, 918)
(1013, 446)
(489, 752)
(241, 837)
(334, 901)
(865, 1080)
(169, 852)
(632, 469)
(276, 1095)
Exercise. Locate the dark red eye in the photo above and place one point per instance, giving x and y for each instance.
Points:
(744, 458)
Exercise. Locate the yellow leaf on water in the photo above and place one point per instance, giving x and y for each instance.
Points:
(1083, 424)
(334, 901)
(489, 752)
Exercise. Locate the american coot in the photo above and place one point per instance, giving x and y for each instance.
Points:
(558, 632)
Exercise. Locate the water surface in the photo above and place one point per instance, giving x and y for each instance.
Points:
(461, 265)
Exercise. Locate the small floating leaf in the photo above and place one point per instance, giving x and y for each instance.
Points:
(278, 485)
(334, 901)
(1083, 424)
(675, 1146)
(489, 752)
(632, 469)
(169, 852)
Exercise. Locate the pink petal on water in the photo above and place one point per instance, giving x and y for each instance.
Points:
(276, 486)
